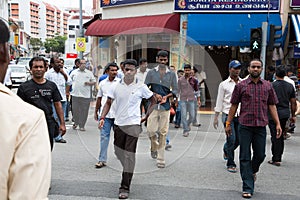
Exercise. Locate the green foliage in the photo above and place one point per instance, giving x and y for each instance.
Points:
(36, 43)
(56, 44)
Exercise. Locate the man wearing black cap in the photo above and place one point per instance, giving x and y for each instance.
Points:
(105, 87)
(223, 105)
(160, 80)
(126, 98)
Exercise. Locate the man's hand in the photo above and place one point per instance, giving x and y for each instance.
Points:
(216, 122)
(101, 123)
(61, 70)
(164, 99)
(199, 103)
(278, 131)
(228, 131)
(62, 129)
(143, 119)
(158, 97)
(293, 119)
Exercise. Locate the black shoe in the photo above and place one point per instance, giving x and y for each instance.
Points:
(168, 146)
(196, 124)
(154, 154)
(61, 141)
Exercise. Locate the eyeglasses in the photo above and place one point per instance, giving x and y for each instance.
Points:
(254, 66)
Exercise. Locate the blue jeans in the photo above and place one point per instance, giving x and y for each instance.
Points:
(64, 106)
(196, 112)
(178, 115)
(168, 139)
(255, 137)
(232, 141)
(187, 107)
(104, 138)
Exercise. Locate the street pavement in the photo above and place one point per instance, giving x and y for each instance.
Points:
(195, 168)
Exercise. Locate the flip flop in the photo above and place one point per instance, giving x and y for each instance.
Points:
(246, 195)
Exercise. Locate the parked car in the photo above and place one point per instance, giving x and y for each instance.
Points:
(69, 64)
(24, 61)
(19, 74)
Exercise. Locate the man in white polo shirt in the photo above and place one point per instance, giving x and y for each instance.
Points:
(127, 97)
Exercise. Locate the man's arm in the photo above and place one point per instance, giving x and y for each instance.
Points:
(105, 110)
(60, 114)
(231, 114)
(152, 101)
(219, 104)
(293, 106)
(274, 115)
(68, 91)
(62, 71)
(97, 108)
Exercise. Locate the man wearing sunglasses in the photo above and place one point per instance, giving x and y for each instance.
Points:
(256, 97)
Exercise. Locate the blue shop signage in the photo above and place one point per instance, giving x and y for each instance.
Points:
(111, 3)
(226, 6)
(296, 52)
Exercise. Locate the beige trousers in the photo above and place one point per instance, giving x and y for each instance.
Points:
(158, 122)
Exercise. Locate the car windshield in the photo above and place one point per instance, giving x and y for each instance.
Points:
(23, 61)
(17, 69)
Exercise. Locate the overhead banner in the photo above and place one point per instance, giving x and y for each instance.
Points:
(295, 3)
(226, 6)
(110, 3)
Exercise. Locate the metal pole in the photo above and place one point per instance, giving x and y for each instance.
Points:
(80, 26)
(264, 29)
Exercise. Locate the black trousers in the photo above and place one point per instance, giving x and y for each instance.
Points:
(125, 142)
(277, 143)
(53, 129)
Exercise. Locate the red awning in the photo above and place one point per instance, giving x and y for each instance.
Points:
(135, 25)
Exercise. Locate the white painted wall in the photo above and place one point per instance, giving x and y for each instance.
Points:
(153, 8)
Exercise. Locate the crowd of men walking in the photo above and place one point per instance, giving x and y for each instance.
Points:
(129, 96)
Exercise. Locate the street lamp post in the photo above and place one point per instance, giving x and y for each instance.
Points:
(80, 26)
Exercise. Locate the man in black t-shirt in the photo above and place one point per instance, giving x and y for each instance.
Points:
(41, 92)
(286, 109)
